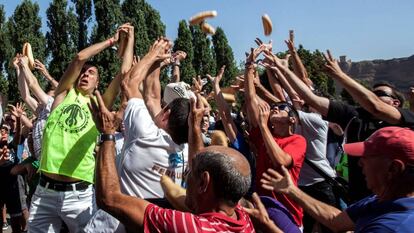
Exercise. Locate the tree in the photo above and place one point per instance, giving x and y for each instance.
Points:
(108, 18)
(4, 85)
(136, 16)
(155, 27)
(84, 12)
(24, 26)
(61, 39)
(314, 64)
(184, 42)
(224, 56)
(203, 61)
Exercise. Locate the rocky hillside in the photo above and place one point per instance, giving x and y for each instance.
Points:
(397, 71)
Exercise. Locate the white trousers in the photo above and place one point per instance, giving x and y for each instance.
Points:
(49, 208)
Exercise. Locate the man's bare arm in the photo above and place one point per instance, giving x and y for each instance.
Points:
(329, 216)
(113, 89)
(319, 103)
(366, 98)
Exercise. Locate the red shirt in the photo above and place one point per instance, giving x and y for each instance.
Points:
(295, 146)
(157, 219)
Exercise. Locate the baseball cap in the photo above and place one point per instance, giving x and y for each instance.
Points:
(396, 142)
(177, 90)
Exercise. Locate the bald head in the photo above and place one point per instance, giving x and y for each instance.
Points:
(239, 162)
(228, 169)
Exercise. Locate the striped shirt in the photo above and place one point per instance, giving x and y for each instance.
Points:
(158, 219)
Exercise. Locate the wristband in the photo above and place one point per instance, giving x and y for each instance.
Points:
(111, 41)
(106, 137)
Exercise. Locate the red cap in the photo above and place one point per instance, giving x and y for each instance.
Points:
(396, 142)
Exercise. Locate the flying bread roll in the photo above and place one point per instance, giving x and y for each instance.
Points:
(27, 51)
(267, 24)
(207, 28)
(122, 43)
(200, 17)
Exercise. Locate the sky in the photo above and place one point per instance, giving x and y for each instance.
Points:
(359, 29)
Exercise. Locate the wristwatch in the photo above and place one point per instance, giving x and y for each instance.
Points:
(105, 137)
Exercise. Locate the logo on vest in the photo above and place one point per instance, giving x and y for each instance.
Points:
(73, 118)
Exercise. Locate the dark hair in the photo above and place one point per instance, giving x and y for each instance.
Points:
(89, 64)
(228, 183)
(178, 120)
(394, 91)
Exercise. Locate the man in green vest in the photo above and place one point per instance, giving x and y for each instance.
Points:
(67, 165)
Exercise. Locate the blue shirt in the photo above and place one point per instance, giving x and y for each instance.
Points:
(370, 215)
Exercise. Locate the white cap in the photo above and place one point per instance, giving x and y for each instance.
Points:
(177, 90)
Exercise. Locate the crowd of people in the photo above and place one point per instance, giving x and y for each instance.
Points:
(164, 160)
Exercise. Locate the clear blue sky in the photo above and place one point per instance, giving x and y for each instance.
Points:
(360, 29)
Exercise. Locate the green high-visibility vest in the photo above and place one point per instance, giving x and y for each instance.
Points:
(69, 139)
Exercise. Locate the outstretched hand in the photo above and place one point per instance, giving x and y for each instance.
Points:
(160, 50)
(332, 66)
(264, 112)
(216, 80)
(197, 111)
(260, 218)
(17, 110)
(274, 181)
(107, 122)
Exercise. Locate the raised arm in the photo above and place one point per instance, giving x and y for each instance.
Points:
(127, 58)
(223, 108)
(298, 67)
(366, 98)
(177, 58)
(329, 216)
(32, 82)
(127, 209)
(195, 141)
(278, 156)
(152, 87)
(42, 68)
(72, 72)
(319, 103)
(249, 89)
(22, 85)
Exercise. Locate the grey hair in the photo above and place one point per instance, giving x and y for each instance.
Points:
(229, 184)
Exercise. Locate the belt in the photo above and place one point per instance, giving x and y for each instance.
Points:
(59, 186)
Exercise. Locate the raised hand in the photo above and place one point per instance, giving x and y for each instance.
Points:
(17, 110)
(332, 66)
(107, 122)
(16, 61)
(197, 85)
(23, 61)
(266, 47)
(197, 111)
(264, 112)
(160, 50)
(260, 218)
(216, 80)
(274, 181)
(40, 66)
(179, 55)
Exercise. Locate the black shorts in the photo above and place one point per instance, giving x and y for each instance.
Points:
(10, 194)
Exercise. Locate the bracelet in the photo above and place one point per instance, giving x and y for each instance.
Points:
(106, 137)
(111, 41)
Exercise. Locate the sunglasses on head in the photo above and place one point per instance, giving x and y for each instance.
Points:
(381, 93)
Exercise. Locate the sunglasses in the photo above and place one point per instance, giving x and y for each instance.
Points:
(380, 93)
(281, 106)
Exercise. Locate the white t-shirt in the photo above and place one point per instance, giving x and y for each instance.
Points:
(315, 130)
(148, 153)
